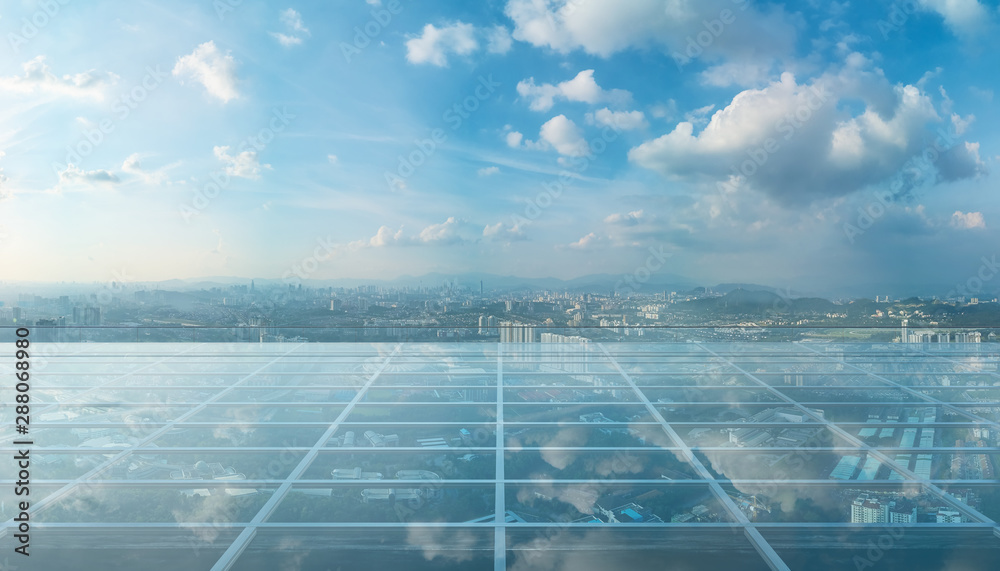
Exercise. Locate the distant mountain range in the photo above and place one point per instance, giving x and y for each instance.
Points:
(594, 283)
(744, 301)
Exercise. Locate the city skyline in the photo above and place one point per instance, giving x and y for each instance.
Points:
(557, 139)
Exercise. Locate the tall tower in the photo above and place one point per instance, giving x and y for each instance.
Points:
(904, 338)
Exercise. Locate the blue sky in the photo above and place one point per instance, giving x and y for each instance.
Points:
(183, 139)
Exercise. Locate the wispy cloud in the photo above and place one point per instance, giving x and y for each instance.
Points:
(488, 171)
(74, 175)
(214, 70)
(243, 165)
(295, 30)
(39, 79)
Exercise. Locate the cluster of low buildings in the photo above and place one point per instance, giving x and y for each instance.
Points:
(391, 494)
(373, 439)
(894, 508)
(912, 437)
(754, 436)
(972, 466)
(631, 512)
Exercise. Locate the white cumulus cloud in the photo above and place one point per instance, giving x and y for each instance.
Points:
(564, 135)
(446, 232)
(582, 88)
(586, 242)
(435, 44)
(500, 232)
(792, 141)
(211, 68)
(386, 237)
(968, 220)
(605, 27)
(451, 231)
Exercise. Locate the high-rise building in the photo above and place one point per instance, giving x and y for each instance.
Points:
(512, 332)
(868, 510)
(569, 358)
(969, 337)
(488, 325)
(558, 338)
(256, 330)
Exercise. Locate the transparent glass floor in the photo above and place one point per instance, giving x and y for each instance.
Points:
(687, 456)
